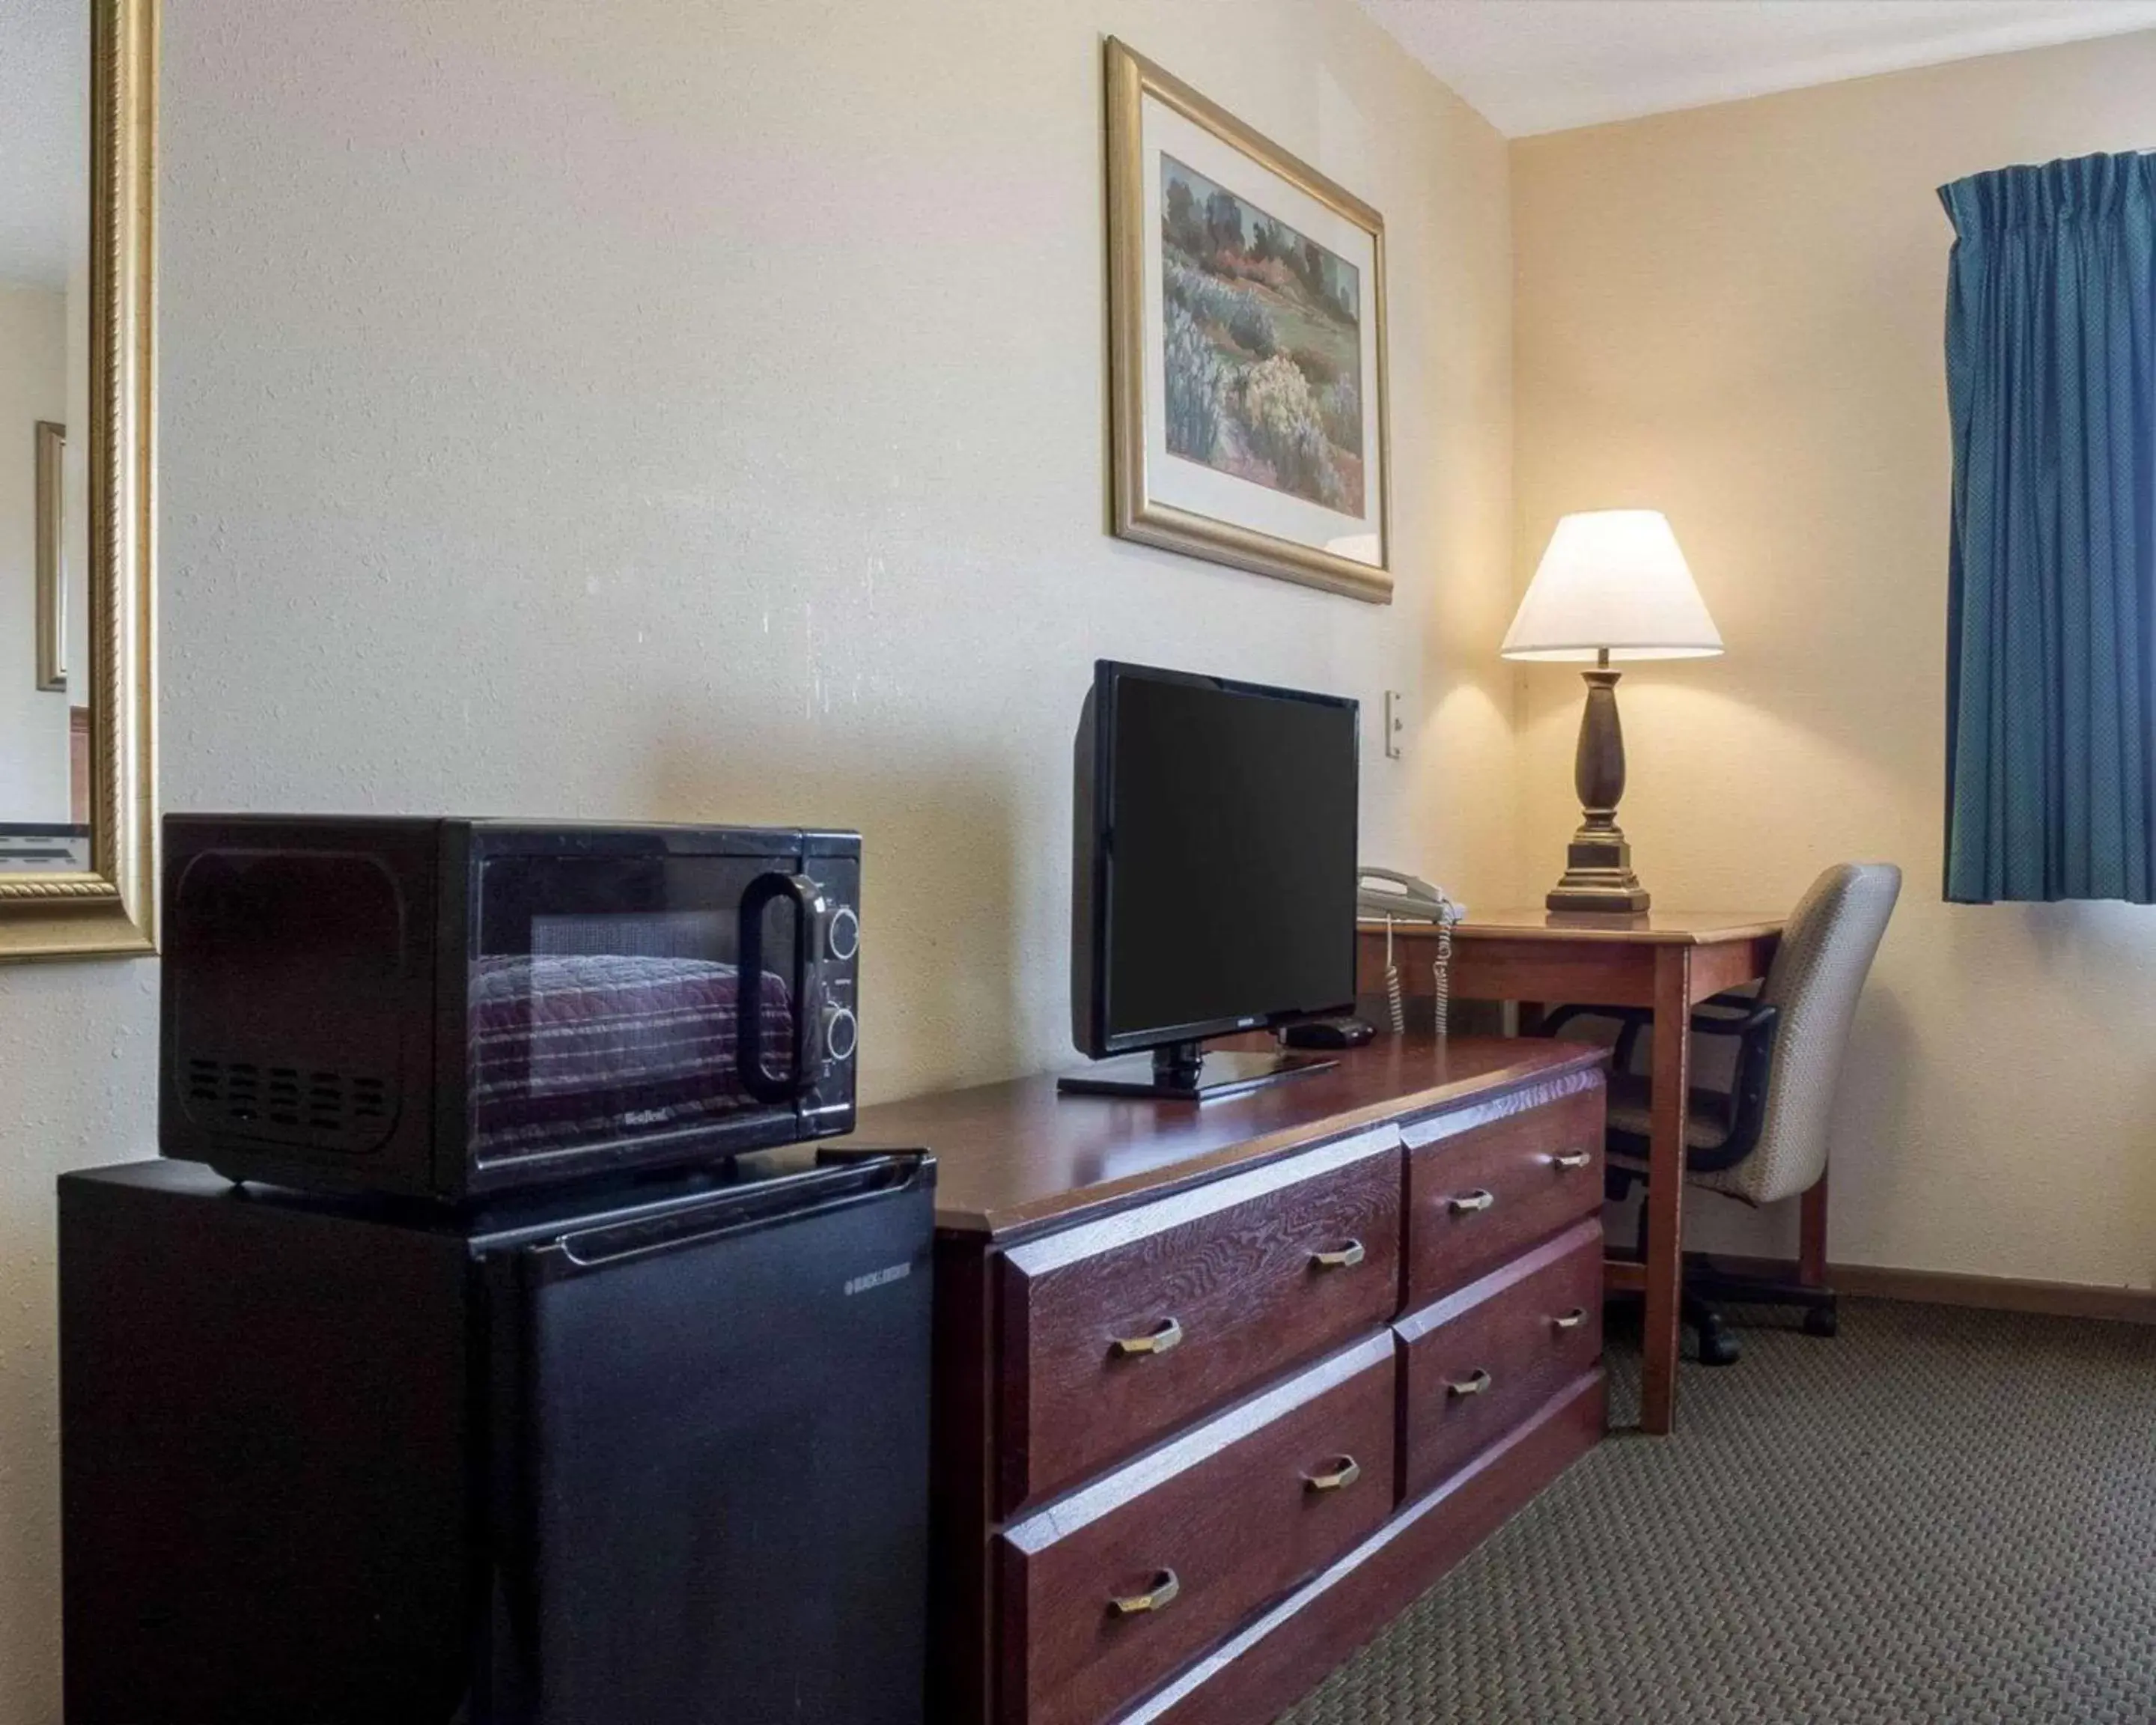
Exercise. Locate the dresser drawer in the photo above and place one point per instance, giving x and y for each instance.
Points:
(1105, 1593)
(1478, 1361)
(1115, 1332)
(1477, 1198)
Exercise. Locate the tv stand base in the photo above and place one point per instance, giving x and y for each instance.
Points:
(1183, 1071)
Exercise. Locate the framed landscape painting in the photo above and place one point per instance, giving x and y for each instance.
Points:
(1246, 312)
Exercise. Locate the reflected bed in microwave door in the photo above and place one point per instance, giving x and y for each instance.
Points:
(566, 1046)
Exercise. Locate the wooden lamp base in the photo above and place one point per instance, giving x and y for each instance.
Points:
(1598, 874)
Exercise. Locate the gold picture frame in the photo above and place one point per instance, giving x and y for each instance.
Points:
(51, 566)
(1147, 470)
(110, 908)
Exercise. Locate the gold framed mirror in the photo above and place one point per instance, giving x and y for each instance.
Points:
(78, 526)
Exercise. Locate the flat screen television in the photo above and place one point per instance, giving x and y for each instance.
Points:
(1213, 884)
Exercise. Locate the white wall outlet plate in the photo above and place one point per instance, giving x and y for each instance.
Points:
(1396, 722)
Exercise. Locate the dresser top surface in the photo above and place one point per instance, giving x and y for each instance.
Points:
(1016, 1158)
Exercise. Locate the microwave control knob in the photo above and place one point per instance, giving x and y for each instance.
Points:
(842, 1033)
(842, 934)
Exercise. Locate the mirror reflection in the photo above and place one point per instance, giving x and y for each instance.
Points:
(46, 698)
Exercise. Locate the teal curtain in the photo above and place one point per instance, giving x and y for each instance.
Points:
(2051, 666)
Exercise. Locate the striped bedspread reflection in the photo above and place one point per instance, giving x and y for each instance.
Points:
(572, 1048)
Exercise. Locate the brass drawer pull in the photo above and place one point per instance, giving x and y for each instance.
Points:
(1469, 1203)
(1473, 1383)
(1571, 1161)
(1165, 1589)
(1337, 1478)
(1165, 1335)
(1571, 1319)
(1347, 1258)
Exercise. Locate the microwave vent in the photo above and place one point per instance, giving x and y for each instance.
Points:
(288, 1105)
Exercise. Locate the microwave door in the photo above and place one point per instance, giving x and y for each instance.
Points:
(721, 1425)
(636, 997)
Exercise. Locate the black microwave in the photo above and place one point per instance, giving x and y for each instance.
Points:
(453, 1008)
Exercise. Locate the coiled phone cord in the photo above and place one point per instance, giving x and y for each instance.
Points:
(1393, 1001)
(1440, 990)
(1440, 978)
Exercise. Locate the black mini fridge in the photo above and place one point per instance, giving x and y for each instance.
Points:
(656, 1459)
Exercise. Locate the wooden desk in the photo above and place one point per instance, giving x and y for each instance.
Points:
(1666, 960)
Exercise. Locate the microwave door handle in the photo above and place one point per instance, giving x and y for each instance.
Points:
(748, 988)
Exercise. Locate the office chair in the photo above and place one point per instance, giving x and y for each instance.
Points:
(1765, 1137)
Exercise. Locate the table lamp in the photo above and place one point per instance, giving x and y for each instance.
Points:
(1612, 585)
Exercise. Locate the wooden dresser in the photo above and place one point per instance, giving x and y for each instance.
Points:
(1221, 1389)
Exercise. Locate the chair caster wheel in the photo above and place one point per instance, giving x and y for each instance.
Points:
(1822, 1320)
(1717, 1346)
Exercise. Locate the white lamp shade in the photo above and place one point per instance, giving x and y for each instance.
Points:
(1613, 580)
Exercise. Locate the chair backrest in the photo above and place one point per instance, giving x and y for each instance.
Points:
(1817, 975)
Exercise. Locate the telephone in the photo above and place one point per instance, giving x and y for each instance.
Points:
(1408, 898)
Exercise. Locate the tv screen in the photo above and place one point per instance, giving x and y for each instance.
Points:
(1217, 836)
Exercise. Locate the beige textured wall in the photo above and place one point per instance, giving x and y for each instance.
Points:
(1736, 314)
(693, 408)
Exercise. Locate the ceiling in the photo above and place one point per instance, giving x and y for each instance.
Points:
(1533, 66)
(45, 136)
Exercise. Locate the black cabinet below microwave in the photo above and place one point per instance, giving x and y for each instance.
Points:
(330, 1461)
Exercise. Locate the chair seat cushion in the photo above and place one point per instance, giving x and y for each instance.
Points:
(1631, 1111)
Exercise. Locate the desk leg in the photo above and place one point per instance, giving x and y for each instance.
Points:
(1811, 1240)
(1666, 1185)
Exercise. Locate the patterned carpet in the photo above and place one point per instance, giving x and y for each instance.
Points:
(1942, 1516)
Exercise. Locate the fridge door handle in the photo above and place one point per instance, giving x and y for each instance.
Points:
(725, 1214)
